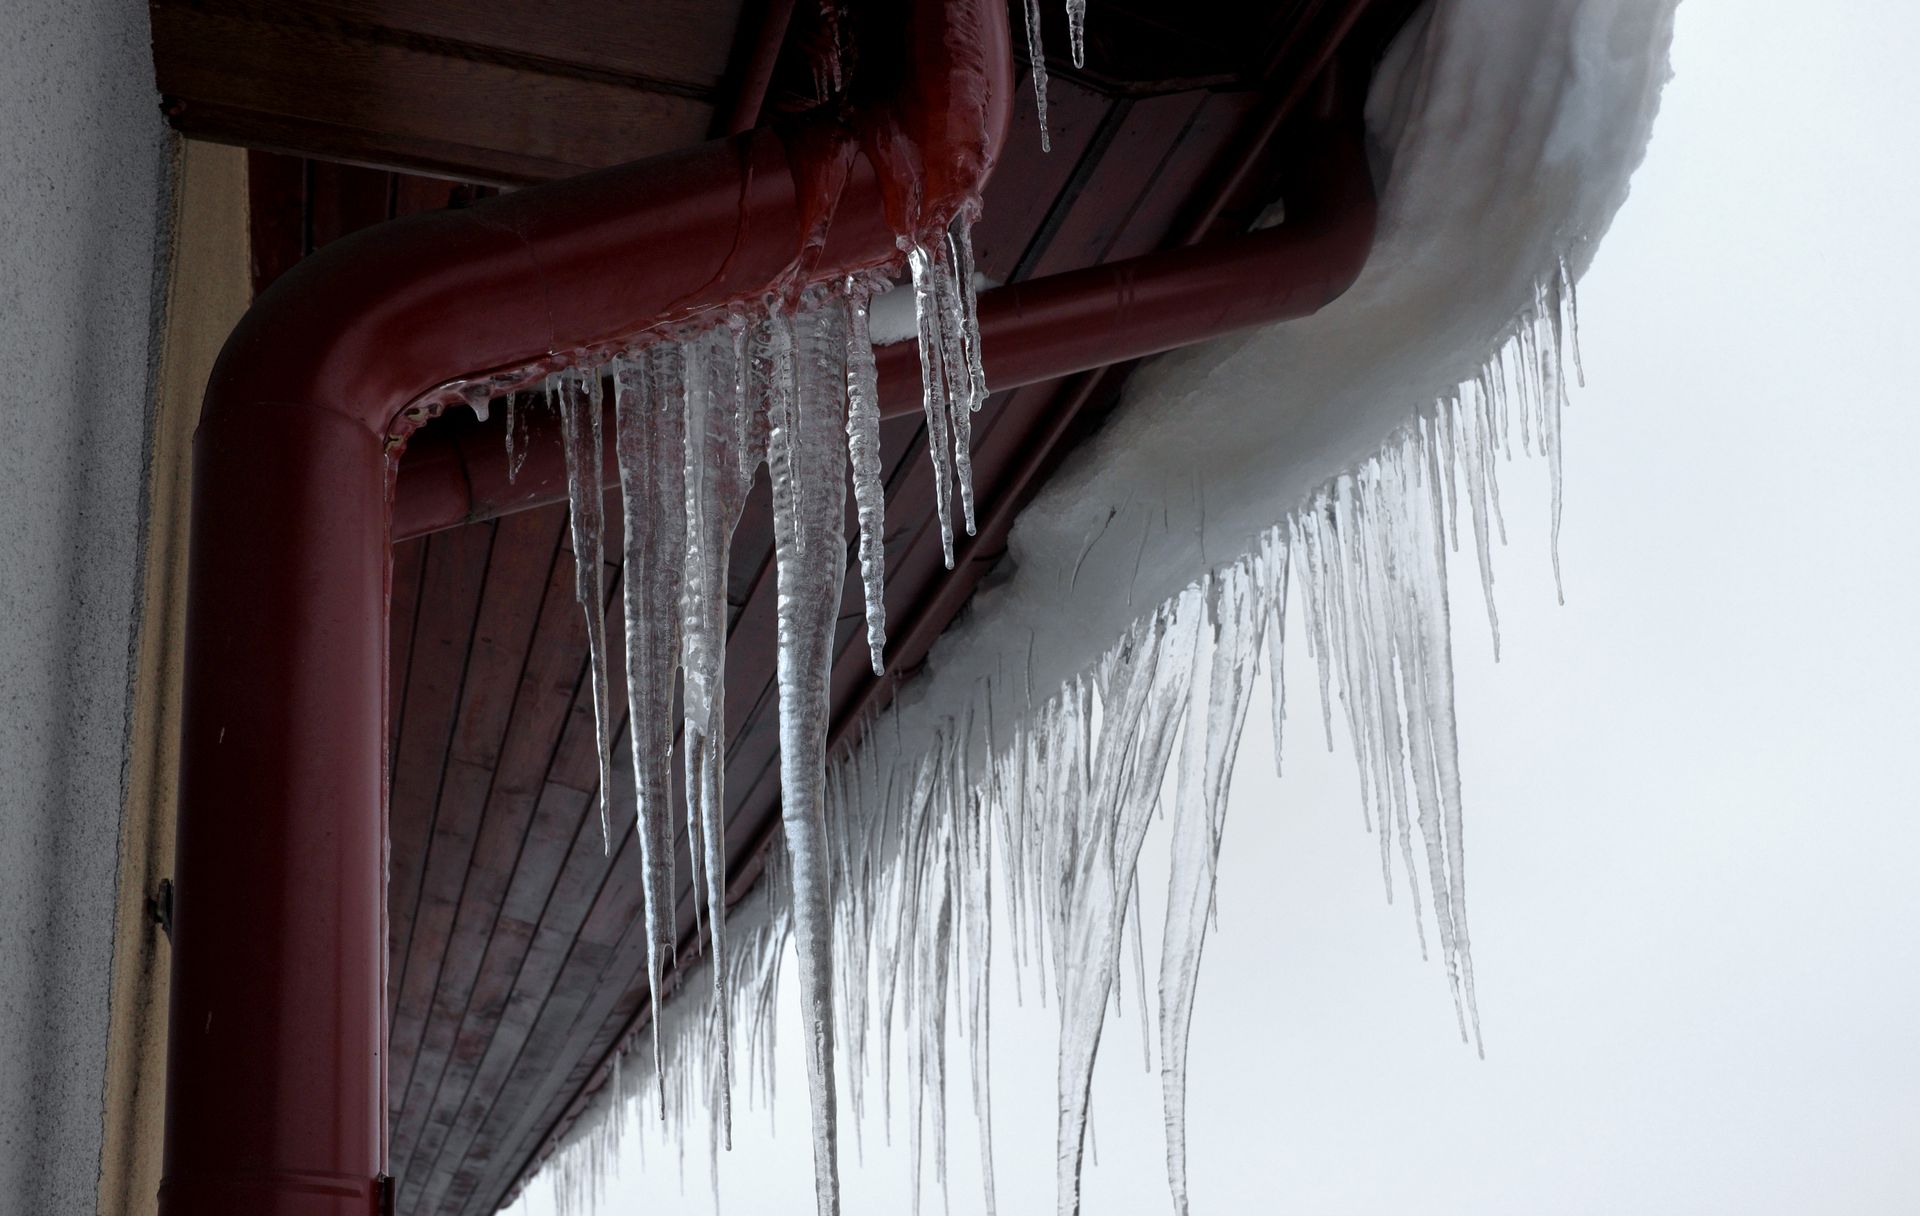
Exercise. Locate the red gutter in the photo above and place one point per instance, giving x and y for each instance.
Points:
(276, 1086)
(1031, 332)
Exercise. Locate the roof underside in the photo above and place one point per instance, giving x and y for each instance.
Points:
(517, 955)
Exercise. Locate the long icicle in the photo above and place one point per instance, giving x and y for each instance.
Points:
(581, 444)
(960, 399)
(1216, 717)
(718, 475)
(1143, 686)
(933, 389)
(869, 494)
(653, 489)
(809, 556)
(1037, 57)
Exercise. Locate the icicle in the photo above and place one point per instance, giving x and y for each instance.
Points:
(933, 389)
(1144, 688)
(869, 494)
(960, 247)
(1278, 565)
(1077, 31)
(1216, 717)
(809, 552)
(978, 917)
(1552, 396)
(783, 405)
(718, 473)
(579, 394)
(951, 317)
(653, 489)
(1037, 56)
(516, 437)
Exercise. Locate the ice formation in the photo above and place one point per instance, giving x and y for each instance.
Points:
(1037, 56)
(578, 397)
(952, 382)
(1013, 801)
(792, 385)
(905, 836)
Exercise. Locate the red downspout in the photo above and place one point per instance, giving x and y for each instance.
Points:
(276, 1088)
(1031, 332)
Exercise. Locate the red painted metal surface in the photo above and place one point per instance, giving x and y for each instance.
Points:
(1031, 332)
(276, 1085)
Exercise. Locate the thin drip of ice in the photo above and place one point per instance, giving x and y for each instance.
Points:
(960, 247)
(869, 493)
(579, 394)
(960, 384)
(933, 389)
(1077, 31)
(1037, 57)
(516, 437)
(952, 382)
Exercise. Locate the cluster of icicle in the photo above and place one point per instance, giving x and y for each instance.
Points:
(792, 385)
(1052, 808)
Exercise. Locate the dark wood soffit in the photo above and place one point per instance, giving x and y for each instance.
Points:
(499, 91)
(502, 93)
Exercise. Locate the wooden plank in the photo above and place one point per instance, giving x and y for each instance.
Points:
(602, 987)
(1128, 169)
(522, 557)
(675, 43)
(1027, 181)
(544, 892)
(297, 138)
(547, 687)
(453, 1141)
(399, 97)
(449, 596)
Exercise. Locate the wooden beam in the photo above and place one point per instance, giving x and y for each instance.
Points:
(248, 74)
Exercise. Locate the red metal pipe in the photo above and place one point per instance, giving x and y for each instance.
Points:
(759, 52)
(276, 1088)
(1031, 332)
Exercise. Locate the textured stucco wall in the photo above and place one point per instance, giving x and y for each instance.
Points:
(82, 166)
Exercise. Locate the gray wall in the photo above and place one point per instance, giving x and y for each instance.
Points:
(82, 169)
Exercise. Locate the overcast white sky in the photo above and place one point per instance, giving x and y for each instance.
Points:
(1692, 835)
